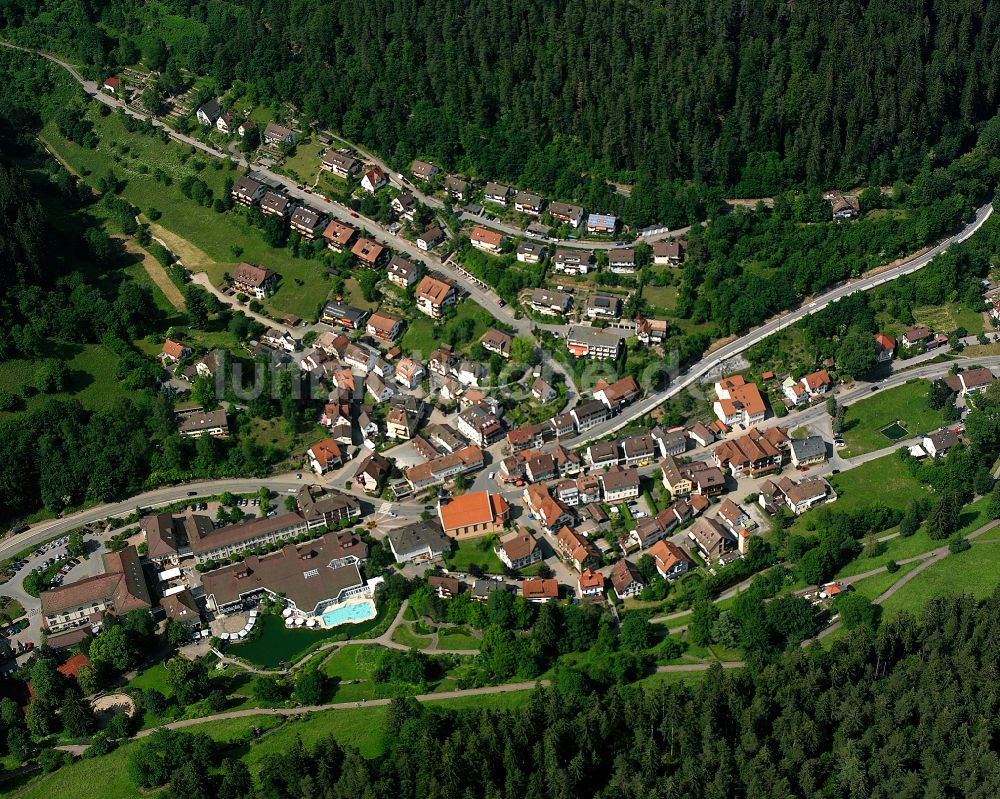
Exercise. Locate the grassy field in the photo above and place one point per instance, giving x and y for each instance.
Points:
(405, 636)
(457, 640)
(872, 587)
(92, 375)
(352, 662)
(906, 403)
(661, 296)
(478, 551)
(420, 336)
(949, 317)
(975, 571)
(972, 516)
(303, 287)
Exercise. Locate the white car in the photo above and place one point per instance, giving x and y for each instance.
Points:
(492, 475)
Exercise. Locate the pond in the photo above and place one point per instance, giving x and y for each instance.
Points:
(895, 431)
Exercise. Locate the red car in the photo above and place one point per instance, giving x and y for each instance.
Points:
(354, 214)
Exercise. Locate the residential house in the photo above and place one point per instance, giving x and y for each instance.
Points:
(279, 340)
(423, 170)
(676, 479)
(329, 506)
(603, 454)
(844, 207)
(971, 381)
(518, 550)
(372, 472)
(174, 351)
(938, 443)
(337, 235)
(161, 537)
(712, 539)
(701, 435)
(434, 295)
(603, 306)
(640, 449)
(276, 203)
(601, 225)
(590, 584)
(111, 85)
(914, 336)
(530, 252)
(337, 313)
(403, 272)
(618, 394)
(339, 163)
(526, 437)
(430, 238)
(480, 425)
(278, 134)
(369, 253)
(550, 303)
(885, 348)
(383, 326)
(456, 188)
(497, 341)
(253, 280)
(540, 467)
(245, 127)
(404, 205)
(380, 390)
(208, 112)
(626, 580)
(445, 467)
(373, 180)
(738, 402)
(418, 542)
(671, 561)
(527, 203)
(563, 425)
(224, 123)
(307, 222)
(205, 366)
(813, 385)
(549, 512)
(671, 442)
(733, 515)
(445, 587)
(668, 252)
(807, 451)
(195, 424)
(619, 484)
(566, 214)
(487, 240)
(409, 373)
(474, 514)
(577, 549)
(621, 260)
(360, 357)
(707, 480)
(652, 331)
(592, 342)
(805, 494)
(572, 262)
(589, 414)
(497, 193)
(246, 191)
(753, 454)
(542, 392)
(325, 455)
(540, 591)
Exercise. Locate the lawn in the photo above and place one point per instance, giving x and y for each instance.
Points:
(420, 336)
(906, 404)
(457, 640)
(351, 662)
(405, 636)
(475, 551)
(154, 677)
(303, 286)
(658, 679)
(972, 516)
(92, 375)
(664, 297)
(880, 480)
(874, 586)
(949, 317)
(975, 571)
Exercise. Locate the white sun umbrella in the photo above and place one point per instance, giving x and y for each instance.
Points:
(310, 622)
(286, 612)
(289, 622)
(299, 621)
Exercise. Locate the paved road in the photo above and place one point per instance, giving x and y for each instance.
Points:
(757, 335)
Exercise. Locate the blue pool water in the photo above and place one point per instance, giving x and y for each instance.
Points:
(355, 612)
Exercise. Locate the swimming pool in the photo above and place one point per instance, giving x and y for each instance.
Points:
(350, 613)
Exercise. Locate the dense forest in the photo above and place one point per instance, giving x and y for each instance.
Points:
(908, 712)
(753, 97)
